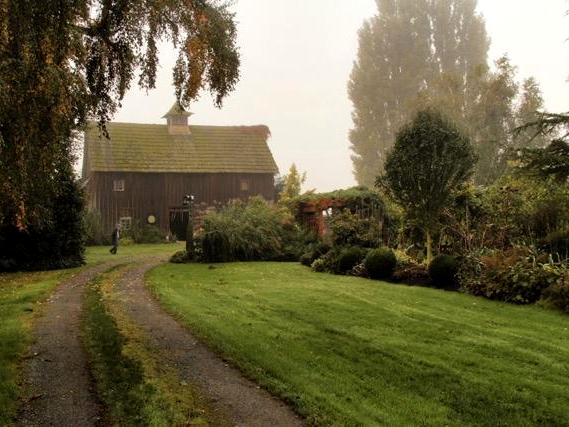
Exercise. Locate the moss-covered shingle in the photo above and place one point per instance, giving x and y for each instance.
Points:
(150, 148)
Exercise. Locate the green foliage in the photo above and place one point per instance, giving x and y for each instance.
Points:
(352, 229)
(531, 101)
(94, 233)
(522, 210)
(180, 257)
(145, 233)
(380, 263)
(56, 242)
(557, 242)
(349, 258)
(319, 265)
(405, 50)
(411, 274)
(246, 231)
(465, 221)
(430, 160)
(517, 276)
(557, 294)
(549, 162)
(313, 252)
(291, 186)
(442, 271)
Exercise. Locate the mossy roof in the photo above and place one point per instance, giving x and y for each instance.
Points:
(136, 147)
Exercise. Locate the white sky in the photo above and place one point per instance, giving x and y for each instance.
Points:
(296, 59)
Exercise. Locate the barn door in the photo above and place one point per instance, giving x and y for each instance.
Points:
(178, 222)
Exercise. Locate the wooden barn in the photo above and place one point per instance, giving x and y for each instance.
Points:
(143, 172)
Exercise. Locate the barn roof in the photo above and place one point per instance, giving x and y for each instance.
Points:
(137, 147)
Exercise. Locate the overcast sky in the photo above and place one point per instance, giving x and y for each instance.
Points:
(296, 59)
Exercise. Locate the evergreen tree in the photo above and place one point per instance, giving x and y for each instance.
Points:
(403, 51)
(291, 185)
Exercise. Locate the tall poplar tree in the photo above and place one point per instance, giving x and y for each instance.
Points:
(403, 51)
(531, 103)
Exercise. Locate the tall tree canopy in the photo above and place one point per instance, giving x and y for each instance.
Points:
(433, 54)
(405, 50)
(431, 158)
(64, 61)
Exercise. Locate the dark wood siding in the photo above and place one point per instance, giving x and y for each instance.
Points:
(154, 193)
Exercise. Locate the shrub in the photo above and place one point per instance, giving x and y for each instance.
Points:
(349, 258)
(359, 270)
(557, 242)
(557, 294)
(469, 275)
(507, 276)
(307, 259)
(126, 241)
(319, 266)
(442, 271)
(55, 242)
(94, 234)
(146, 233)
(249, 231)
(380, 263)
(180, 257)
(411, 274)
(313, 252)
(352, 229)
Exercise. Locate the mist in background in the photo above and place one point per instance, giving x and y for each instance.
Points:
(296, 59)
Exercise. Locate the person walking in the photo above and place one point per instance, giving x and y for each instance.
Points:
(115, 239)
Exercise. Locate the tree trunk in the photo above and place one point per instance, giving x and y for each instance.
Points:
(429, 247)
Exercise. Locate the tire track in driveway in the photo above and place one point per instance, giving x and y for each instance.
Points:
(56, 379)
(226, 388)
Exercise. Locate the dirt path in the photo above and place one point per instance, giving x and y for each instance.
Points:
(243, 400)
(57, 382)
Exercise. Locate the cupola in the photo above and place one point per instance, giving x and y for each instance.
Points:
(177, 119)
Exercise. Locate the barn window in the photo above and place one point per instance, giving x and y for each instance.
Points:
(118, 185)
(244, 184)
(125, 222)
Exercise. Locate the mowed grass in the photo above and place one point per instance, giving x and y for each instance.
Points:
(98, 254)
(20, 294)
(349, 351)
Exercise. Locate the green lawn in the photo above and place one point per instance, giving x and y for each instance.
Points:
(348, 351)
(97, 254)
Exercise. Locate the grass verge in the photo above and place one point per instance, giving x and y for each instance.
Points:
(20, 297)
(134, 385)
(349, 351)
(98, 254)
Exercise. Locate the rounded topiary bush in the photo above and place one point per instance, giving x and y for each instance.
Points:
(380, 263)
(349, 258)
(443, 271)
